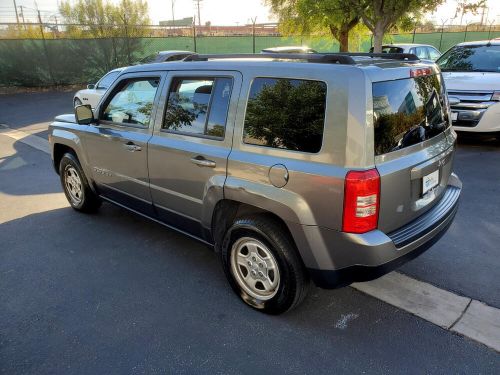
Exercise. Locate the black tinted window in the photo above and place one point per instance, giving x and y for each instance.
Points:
(286, 113)
(132, 102)
(408, 111)
(471, 59)
(198, 106)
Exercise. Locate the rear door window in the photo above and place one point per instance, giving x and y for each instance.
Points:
(408, 111)
(286, 113)
(198, 106)
(433, 53)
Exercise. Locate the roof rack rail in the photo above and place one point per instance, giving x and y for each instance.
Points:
(391, 56)
(328, 58)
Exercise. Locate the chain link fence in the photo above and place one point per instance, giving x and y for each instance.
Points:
(50, 61)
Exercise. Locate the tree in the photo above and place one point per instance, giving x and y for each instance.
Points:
(310, 16)
(464, 7)
(382, 15)
(114, 28)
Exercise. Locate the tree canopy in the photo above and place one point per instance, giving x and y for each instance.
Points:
(311, 16)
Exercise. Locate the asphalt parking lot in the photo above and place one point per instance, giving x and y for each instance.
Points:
(115, 293)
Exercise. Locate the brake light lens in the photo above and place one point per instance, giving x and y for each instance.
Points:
(361, 201)
(419, 72)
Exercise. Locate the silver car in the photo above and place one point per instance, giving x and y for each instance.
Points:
(422, 51)
(333, 168)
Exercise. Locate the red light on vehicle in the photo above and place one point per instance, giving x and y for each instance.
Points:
(361, 201)
(420, 72)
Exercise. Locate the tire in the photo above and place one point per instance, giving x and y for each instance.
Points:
(262, 245)
(77, 102)
(75, 185)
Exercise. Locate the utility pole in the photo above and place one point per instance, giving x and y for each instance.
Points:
(173, 17)
(17, 16)
(22, 16)
(198, 6)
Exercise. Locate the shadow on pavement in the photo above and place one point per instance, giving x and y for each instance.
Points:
(24, 170)
(114, 292)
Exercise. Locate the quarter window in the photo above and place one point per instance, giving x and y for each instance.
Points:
(286, 113)
(198, 106)
(133, 102)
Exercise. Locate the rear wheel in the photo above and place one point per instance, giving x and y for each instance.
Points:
(262, 265)
(76, 187)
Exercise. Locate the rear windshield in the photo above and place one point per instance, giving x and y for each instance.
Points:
(407, 112)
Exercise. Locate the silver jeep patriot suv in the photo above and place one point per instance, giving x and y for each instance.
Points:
(333, 168)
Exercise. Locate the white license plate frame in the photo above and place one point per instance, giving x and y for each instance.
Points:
(454, 116)
(430, 181)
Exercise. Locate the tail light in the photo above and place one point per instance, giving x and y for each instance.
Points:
(419, 72)
(361, 201)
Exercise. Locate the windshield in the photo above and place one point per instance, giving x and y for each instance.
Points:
(408, 111)
(148, 59)
(389, 49)
(471, 59)
(107, 80)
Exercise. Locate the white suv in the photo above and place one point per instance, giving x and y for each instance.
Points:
(93, 93)
(472, 76)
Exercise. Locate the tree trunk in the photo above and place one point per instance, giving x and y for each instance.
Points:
(344, 40)
(378, 36)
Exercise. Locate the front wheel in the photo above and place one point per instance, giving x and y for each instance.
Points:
(77, 102)
(262, 265)
(75, 185)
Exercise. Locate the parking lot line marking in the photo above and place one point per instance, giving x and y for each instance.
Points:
(29, 139)
(448, 310)
(480, 322)
(433, 304)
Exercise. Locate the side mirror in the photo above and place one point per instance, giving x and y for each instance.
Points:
(91, 86)
(84, 114)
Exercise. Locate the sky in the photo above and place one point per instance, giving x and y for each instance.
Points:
(229, 12)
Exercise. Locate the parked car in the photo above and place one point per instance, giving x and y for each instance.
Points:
(289, 49)
(164, 56)
(274, 163)
(472, 75)
(93, 93)
(422, 51)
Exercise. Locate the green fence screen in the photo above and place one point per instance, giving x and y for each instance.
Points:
(37, 62)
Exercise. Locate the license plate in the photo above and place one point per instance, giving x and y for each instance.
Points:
(430, 181)
(454, 116)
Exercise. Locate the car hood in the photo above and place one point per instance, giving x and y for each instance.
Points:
(471, 81)
(85, 92)
(70, 117)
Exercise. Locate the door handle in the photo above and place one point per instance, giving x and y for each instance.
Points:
(202, 162)
(132, 147)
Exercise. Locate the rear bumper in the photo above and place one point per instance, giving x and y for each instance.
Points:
(374, 254)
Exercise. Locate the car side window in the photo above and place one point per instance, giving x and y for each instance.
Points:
(107, 80)
(421, 53)
(433, 53)
(286, 113)
(198, 106)
(132, 102)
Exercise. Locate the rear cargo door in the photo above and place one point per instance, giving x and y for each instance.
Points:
(414, 147)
